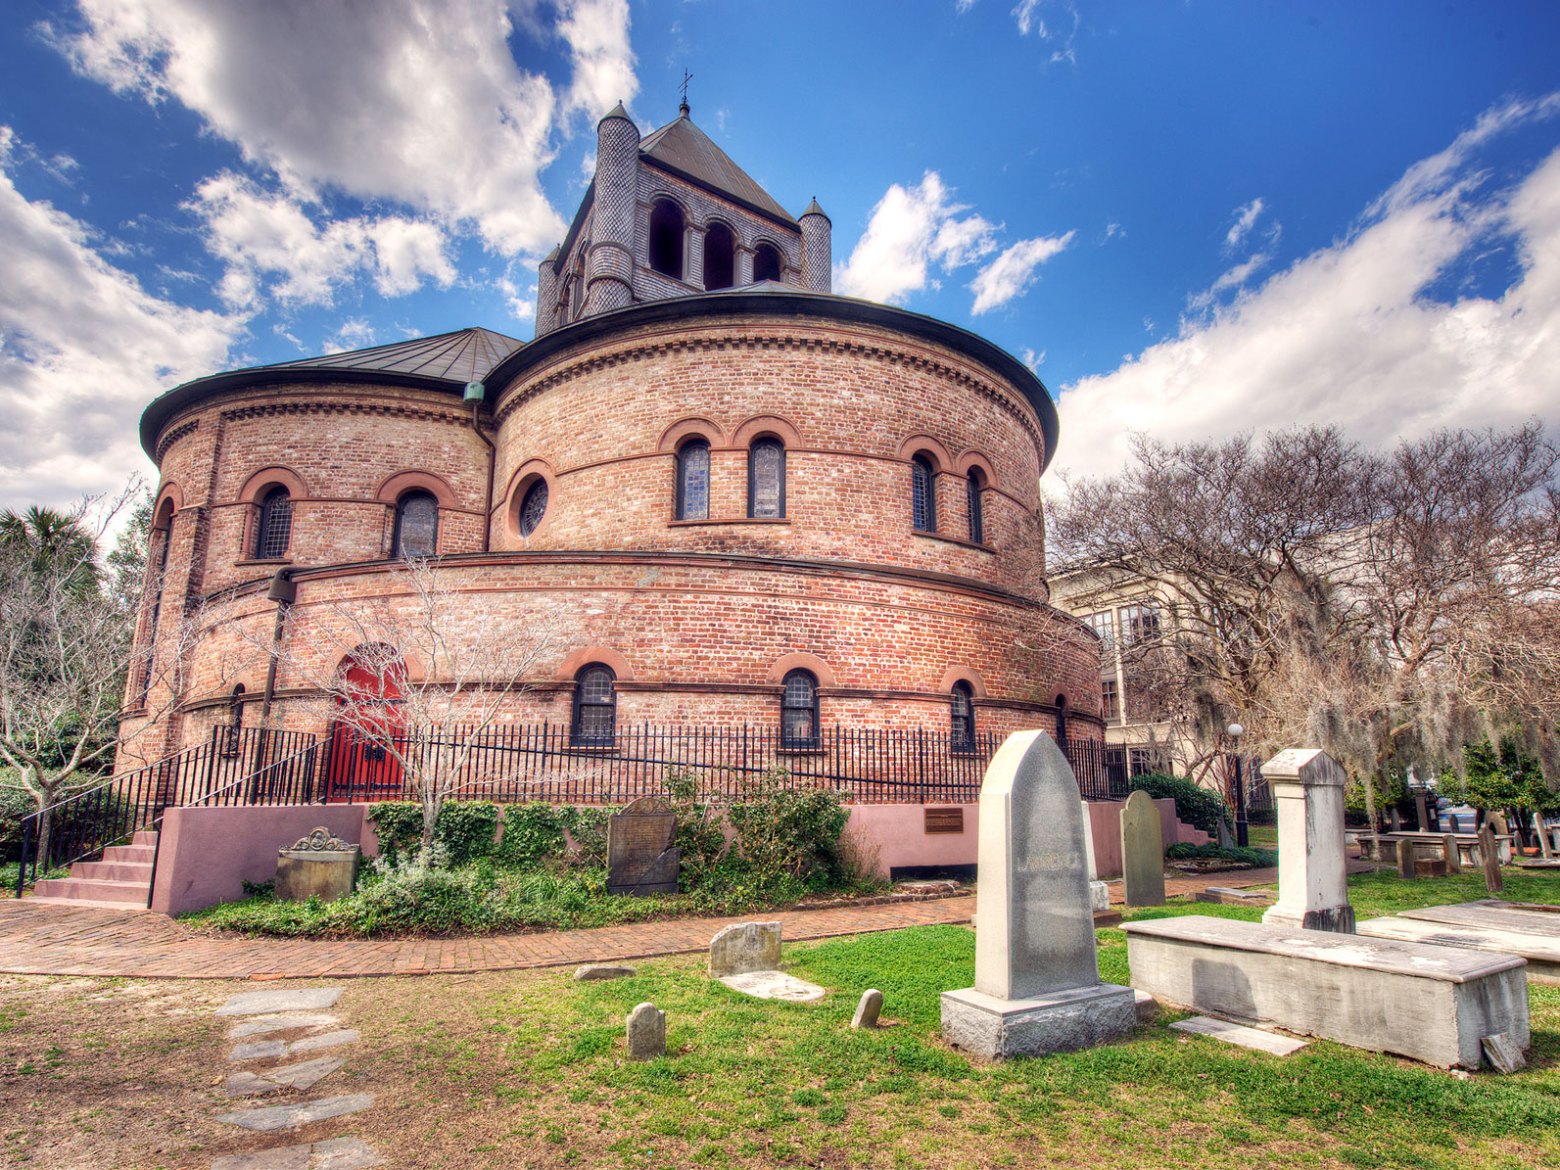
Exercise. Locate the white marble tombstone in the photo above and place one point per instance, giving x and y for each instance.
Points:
(1313, 890)
(1037, 985)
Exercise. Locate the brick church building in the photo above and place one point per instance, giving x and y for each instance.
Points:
(750, 502)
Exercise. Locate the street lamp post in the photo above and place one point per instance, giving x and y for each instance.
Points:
(1238, 787)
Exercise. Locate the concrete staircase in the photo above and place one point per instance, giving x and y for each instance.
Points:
(121, 880)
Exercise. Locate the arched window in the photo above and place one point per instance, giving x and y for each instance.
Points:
(977, 519)
(595, 707)
(273, 533)
(720, 257)
(1061, 721)
(416, 532)
(766, 263)
(962, 714)
(923, 494)
(666, 239)
(693, 480)
(533, 506)
(235, 728)
(766, 478)
(799, 711)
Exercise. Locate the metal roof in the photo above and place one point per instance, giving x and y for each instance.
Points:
(462, 356)
(682, 147)
(446, 361)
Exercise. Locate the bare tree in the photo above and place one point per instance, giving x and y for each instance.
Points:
(419, 674)
(66, 648)
(1378, 605)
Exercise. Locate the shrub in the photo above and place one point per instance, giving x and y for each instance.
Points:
(398, 825)
(701, 843)
(533, 833)
(781, 830)
(1197, 806)
(1261, 858)
(467, 828)
(587, 828)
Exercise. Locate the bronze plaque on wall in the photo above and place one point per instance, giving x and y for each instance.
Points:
(945, 820)
(641, 857)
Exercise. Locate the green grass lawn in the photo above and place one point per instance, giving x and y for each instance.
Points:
(758, 1084)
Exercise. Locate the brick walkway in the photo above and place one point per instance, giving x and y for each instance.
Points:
(66, 940)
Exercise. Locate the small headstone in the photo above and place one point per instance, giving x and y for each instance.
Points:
(1541, 831)
(641, 855)
(1394, 820)
(1224, 838)
(1313, 889)
(1451, 853)
(747, 946)
(868, 1010)
(1147, 1007)
(646, 1032)
(1503, 1053)
(1405, 859)
(1142, 851)
(1498, 823)
(1422, 811)
(1429, 867)
(1489, 855)
(603, 971)
(1099, 892)
(1037, 984)
(319, 865)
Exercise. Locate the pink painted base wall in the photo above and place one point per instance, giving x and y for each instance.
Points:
(205, 855)
(899, 833)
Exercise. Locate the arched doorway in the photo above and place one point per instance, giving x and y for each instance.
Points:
(367, 726)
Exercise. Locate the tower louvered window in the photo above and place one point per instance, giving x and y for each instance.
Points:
(273, 532)
(766, 263)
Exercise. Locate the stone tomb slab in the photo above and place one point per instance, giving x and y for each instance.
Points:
(1541, 952)
(260, 1003)
(1241, 1035)
(642, 856)
(774, 985)
(1142, 851)
(1429, 1003)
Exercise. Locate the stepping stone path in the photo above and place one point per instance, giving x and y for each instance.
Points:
(291, 1011)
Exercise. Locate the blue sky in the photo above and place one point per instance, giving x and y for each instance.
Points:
(1192, 219)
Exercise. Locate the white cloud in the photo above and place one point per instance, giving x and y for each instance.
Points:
(1245, 219)
(1029, 19)
(416, 101)
(260, 234)
(1351, 334)
(911, 229)
(597, 35)
(83, 347)
(1011, 273)
(353, 333)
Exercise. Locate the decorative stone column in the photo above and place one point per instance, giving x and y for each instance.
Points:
(1313, 890)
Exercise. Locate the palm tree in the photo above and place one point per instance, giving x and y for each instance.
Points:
(51, 543)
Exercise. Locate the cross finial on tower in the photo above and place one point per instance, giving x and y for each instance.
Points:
(683, 108)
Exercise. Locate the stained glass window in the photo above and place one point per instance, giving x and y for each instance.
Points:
(416, 525)
(766, 478)
(693, 480)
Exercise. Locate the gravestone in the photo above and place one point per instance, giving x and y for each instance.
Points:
(1142, 851)
(1313, 891)
(641, 855)
(320, 865)
(1489, 854)
(1099, 892)
(745, 947)
(1422, 811)
(646, 1032)
(1405, 859)
(1452, 854)
(1541, 830)
(868, 1010)
(1037, 985)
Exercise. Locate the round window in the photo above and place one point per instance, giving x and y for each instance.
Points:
(533, 507)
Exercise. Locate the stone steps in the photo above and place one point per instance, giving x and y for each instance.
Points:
(123, 879)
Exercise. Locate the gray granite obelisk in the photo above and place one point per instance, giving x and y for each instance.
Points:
(1037, 983)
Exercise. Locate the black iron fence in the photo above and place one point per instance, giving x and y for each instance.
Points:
(257, 766)
(513, 764)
